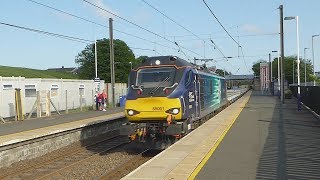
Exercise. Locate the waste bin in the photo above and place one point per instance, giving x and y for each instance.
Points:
(122, 100)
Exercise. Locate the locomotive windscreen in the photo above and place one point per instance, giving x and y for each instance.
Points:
(155, 77)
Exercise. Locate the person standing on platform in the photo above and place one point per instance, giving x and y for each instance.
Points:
(98, 101)
(103, 100)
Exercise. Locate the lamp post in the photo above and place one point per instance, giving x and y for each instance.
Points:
(305, 66)
(130, 65)
(314, 82)
(278, 72)
(291, 18)
(282, 71)
(95, 58)
(298, 58)
(270, 73)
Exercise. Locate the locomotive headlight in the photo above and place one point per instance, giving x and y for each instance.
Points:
(173, 111)
(130, 112)
(157, 62)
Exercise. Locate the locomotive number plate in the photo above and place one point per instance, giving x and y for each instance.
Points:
(157, 108)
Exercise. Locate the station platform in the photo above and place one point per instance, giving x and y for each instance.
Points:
(257, 137)
(18, 131)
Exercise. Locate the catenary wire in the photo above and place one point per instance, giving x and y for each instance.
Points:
(99, 24)
(49, 33)
(223, 37)
(220, 23)
(90, 21)
(171, 19)
(145, 29)
(176, 23)
(244, 59)
(145, 49)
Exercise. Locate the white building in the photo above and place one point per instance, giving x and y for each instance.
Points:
(60, 90)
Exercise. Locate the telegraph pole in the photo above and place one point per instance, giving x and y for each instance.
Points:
(282, 53)
(112, 61)
(95, 57)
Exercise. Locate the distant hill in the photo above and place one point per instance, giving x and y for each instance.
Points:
(6, 71)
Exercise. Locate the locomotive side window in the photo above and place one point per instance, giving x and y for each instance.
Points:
(153, 77)
(188, 78)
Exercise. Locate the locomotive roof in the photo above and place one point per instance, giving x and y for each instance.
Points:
(165, 60)
(172, 60)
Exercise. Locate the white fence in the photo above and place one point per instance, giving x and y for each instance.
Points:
(60, 90)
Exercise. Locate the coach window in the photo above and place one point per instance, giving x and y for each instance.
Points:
(30, 90)
(188, 78)
(81, 90)
(54, 90)
(7, 86)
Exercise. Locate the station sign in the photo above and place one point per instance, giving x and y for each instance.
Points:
(96, 79)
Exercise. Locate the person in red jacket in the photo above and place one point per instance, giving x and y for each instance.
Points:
(103, 96)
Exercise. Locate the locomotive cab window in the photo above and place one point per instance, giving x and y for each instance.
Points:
(188, 78)
(155, 77)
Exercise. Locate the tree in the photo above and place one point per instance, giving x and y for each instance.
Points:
(288, 68)
(139, 60)
(256, 67)
(123, 55)
(221, 72)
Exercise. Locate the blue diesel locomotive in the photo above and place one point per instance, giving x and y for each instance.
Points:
(168, 97)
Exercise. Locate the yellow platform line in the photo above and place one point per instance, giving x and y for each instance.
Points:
(209, 154)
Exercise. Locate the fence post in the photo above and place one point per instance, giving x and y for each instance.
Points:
(67, 110)
(38, 105)
(1, 118)
(80, 102)
(93, 103)
(57, 110)
(18, 103)
(3, 121)
(33, 108)
(48, 112)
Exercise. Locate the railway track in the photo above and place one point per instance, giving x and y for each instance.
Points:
(129, 165)
(53, 167)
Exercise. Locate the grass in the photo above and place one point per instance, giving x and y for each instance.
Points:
(6, 71)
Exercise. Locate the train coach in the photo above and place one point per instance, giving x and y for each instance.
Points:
(168, 97)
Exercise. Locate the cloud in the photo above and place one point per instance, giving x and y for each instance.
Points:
(102, 13)
(250, 28)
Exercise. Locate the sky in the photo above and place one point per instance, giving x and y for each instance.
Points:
(252, 23)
